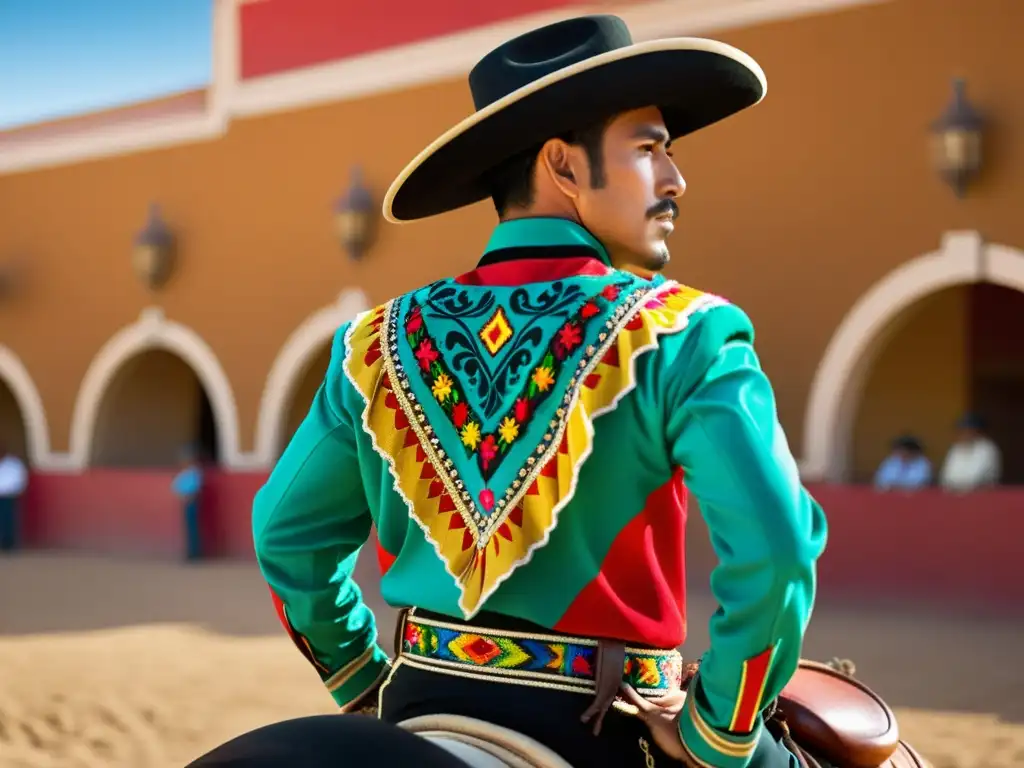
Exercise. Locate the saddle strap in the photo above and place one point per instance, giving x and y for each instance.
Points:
(611, 656)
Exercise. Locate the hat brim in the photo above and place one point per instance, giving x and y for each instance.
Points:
(695, 82)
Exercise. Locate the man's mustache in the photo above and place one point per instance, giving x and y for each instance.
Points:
(668, 205)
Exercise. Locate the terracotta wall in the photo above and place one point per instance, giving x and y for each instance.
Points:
(311, 380)
(919, 383)
(794, 210)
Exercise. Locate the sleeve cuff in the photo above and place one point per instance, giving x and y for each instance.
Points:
(710, 747)
(349, 683)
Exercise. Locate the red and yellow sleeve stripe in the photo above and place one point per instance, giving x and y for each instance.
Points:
(751, 691)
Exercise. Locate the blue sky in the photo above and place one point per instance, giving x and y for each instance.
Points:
(65, 57)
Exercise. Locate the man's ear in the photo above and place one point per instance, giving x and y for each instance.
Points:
(558, 160)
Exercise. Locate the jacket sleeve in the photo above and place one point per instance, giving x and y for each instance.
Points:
(765, 528)
(309, 522)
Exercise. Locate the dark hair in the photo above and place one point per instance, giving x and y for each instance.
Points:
(908, 443)
(511, 182)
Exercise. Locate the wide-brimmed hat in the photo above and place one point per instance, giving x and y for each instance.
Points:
(567, 76)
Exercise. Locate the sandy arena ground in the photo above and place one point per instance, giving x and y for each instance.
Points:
(130, 664)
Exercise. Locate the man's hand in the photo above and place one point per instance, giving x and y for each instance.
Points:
(661, 716)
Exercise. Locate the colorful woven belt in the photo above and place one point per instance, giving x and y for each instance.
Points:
(546, 661)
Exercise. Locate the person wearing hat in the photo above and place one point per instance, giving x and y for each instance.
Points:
(973, 461)
(520, 436)
(906, 468)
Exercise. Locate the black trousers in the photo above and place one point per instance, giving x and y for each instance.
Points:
(550, 717)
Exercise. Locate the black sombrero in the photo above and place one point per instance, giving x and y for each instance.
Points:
(564, 76)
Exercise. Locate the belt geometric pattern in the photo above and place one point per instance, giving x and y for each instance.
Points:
(548, 661)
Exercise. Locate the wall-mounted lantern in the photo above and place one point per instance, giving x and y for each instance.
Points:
(153, 254)
(957, 141)
(355, 217)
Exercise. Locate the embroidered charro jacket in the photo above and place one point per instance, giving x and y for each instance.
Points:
(520, 437)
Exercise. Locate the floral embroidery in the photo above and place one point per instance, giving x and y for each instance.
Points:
(569, 337)
(522, 410)
(509, 429)
(487, 499)
(471, 435)
(542, 378)
(426, 354)
(415, 321)
(442, 388)
(481, 546)
(488, 452)
(490, 449)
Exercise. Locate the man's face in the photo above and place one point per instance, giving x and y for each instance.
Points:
(633, 211)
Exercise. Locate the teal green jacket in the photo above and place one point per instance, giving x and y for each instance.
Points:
(520, 438)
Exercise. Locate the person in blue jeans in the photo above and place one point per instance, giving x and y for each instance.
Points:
(13, 481)
(187, 486)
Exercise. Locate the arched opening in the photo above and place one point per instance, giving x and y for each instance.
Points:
(956, 350)
(309, 382)
(303, 357)
(13, 434)
(154, 407)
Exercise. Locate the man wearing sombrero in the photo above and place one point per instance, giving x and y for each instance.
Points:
(520, 436)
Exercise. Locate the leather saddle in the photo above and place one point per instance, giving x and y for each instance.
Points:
(834, 720)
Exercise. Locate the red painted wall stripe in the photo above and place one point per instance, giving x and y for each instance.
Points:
(280, 35)
(748, 701)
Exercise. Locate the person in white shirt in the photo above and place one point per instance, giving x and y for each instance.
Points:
(973, 460)
(13, 481)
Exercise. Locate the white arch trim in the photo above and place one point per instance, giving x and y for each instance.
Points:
(298, 352)
(838, 383)
(15, 375)
(154, 331)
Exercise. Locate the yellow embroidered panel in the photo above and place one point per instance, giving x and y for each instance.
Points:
(481, 550)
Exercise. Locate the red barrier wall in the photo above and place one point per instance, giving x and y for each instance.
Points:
(106, 510)
(279, 35)
(928, 545)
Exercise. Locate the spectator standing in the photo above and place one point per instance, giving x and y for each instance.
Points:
(13, 482)
(188, 486)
